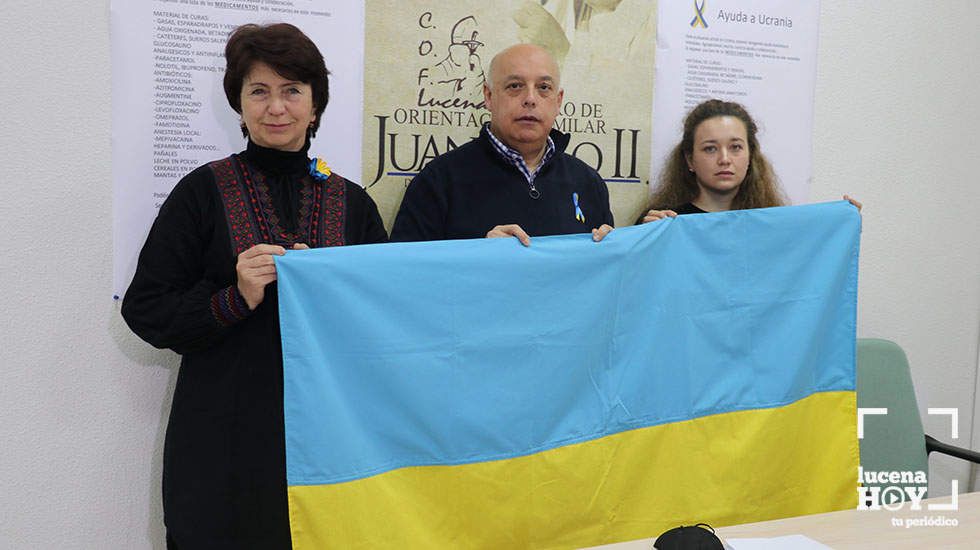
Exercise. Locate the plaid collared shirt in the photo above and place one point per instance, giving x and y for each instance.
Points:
(515, 158)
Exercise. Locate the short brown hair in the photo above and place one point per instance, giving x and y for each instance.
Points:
(287, 51)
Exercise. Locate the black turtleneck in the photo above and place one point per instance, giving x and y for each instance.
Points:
(224, 458)
(286, 172)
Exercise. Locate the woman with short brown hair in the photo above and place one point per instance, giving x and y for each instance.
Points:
(204, 287)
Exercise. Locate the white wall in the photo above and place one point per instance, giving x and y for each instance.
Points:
(84, 403)
(895, 125)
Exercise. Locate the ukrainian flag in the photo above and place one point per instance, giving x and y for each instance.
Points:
(479, 394)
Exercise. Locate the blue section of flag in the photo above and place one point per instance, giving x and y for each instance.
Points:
(463, 351)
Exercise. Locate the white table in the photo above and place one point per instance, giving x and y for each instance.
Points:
(863, 528)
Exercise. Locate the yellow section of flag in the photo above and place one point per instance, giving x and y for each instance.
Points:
(724, 469)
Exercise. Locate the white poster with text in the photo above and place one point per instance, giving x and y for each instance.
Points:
(760, 53)
(169, 111)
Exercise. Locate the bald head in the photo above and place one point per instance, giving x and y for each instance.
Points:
(523, 94)
(532, 51)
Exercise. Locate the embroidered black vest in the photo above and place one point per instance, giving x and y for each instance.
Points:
(252, 220)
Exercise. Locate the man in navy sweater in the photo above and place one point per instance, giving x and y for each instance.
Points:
(515, 180)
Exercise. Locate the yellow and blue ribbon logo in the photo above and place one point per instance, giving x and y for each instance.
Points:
(579, 215)
(698, 20)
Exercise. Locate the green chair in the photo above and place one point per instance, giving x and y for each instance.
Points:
(894, 442)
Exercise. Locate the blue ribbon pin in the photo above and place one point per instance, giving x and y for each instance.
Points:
(579, 215)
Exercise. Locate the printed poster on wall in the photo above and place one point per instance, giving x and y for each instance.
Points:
(169, 111)
(760, 53)
(425, 65)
